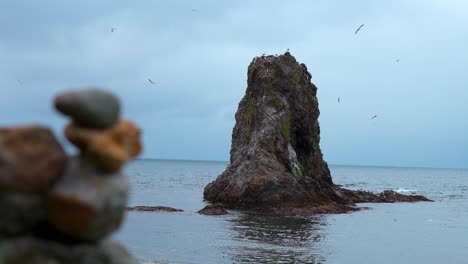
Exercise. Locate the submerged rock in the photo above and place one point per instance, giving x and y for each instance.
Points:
(92, 108)
(32, 250)
(108, 149)
(144, 208)
(87, 204)
(31, 158)
(276, 164)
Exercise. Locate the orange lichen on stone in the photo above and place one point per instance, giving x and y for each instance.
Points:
(69, 215)
(108, 149)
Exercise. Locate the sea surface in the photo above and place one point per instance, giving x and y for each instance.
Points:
(423, 232)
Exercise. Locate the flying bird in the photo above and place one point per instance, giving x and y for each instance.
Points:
(359, 28)
(339, 100)
(374, 117)
(194, 10)
(398, 60)
(20, 82)
(112, 29)
(151, 81)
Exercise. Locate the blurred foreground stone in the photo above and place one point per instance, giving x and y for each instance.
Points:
(33, 250)
(59, 209)
(90, 206)
(91, 107)
(30, 159)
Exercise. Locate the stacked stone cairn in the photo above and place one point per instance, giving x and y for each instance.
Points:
(62, 209)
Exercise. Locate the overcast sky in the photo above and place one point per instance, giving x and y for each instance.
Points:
(199, 61)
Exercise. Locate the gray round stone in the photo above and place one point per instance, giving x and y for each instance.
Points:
(92, 108)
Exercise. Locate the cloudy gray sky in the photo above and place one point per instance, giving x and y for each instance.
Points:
(199, 61)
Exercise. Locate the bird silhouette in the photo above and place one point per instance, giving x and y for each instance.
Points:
(20, 82)
(151, 81)
(374, 117)
(194, 10)
(359, 28)
(113, 29)
(398, 60)
(339, 101)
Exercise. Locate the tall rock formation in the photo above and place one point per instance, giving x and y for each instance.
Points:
(276, 161)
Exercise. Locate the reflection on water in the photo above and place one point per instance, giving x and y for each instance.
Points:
(274, 239)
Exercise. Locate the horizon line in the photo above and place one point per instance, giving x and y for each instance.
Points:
(349, 165)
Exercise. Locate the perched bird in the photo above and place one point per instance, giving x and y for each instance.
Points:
(151, 81)
(374, 117)
(359, 28)
(112, 29)
(339, 100)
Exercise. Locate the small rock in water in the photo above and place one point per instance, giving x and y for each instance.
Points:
(92, 108)
(213, 209)
(143, 208)
(108, 149)
(87, 204)
(31, 158)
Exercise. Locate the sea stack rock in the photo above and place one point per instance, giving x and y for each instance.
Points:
(276, 163)
(275, 153)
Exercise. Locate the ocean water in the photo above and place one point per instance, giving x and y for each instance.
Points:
(385, 233)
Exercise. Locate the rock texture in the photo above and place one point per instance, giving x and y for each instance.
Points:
(276, 163)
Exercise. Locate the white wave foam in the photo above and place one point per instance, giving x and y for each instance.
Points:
(402, 190)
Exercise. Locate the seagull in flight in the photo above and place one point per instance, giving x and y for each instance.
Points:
(398, 60)
(194, 10)
(374, 117)
(112, 29)
(339, 100)
(359, 28)
(151, 81)
(20, 82)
